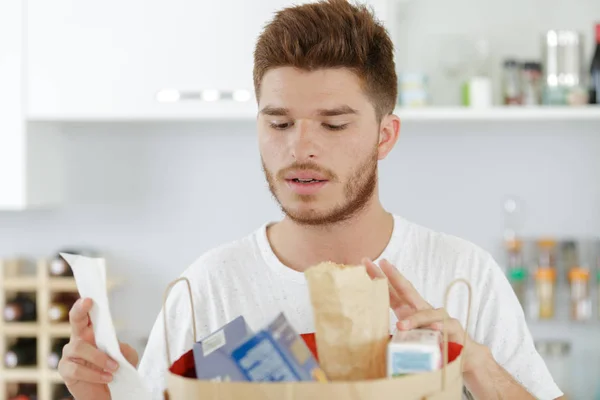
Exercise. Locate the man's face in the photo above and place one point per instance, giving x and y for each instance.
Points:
(319, 141)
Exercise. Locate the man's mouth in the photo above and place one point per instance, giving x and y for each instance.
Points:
(306, 181)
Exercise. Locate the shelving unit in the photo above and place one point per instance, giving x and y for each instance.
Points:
(524, 114)
(197, 111)
(11, 280)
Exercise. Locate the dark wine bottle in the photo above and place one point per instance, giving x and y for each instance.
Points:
(20, 309)
(59, 267)
(56, 353)
(62, 393)
(595, 70)
(60, 307)
(21, 354)
(24, 391)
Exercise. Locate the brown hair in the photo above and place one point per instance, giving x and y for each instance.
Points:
(331, 34)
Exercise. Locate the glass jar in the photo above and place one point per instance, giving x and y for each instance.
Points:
(532, 85)
(581, 301)
(546, 252)
(545, 290)
(511, 84)
(518, 280)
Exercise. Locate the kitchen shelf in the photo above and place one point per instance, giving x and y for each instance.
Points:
(44, 286)
(584, 113)
(54, 377)
(21, 375)
(22, 329)
(21, 284)
(62, 284)
(197, 112)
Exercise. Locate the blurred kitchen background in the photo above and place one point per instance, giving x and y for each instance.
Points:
(127, 130)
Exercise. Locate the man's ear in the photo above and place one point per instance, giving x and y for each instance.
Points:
(389, 131)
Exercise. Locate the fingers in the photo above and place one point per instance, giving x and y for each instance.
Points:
(402, 286)
(71, 371)
(79, 349)
(129, 353)
(372, 269)
(433, 319)
(375, 272)
(79, 317)
(423, 318)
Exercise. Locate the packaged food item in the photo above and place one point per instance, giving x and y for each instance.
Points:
(277, 354)
(212, 355)
(352, 321)
(414, 351)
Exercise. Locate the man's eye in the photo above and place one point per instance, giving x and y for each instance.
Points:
(280, 126)
(335, 127)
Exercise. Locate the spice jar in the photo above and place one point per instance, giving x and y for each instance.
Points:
(546, 252)
(511, 83)
(545, 290)
(518, 280)
(531, 78)
(581, 302)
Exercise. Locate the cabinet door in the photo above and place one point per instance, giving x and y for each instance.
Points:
(12, 171)
(131, 59)
(110, 58)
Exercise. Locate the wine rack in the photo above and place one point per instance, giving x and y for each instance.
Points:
(44, 286)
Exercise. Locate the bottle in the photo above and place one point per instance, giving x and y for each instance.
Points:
(60, 307)
(62, 393)
(581, 301)
(595, 70)
(477, 90)
(21, 308)
(21, 354)
(56, 353)
(517, 272)
(545, 279)
(24, 391)
(531, 78)
(511, 83)
(59, 267)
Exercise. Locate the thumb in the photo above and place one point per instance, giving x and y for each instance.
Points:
(129, 353)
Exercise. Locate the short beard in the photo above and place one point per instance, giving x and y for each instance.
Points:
(358, 190)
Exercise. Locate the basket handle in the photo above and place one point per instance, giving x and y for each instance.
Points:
(445, 352)
(165, 297)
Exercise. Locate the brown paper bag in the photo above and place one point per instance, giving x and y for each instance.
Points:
(444, 384)
(352, 321)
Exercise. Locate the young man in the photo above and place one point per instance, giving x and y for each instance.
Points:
(326, 87)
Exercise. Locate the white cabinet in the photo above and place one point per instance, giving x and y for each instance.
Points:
(116, 59)
(29, 166)
(109, 59)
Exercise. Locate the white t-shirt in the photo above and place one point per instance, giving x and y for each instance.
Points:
(246, 278)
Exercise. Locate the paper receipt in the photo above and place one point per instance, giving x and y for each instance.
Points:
(90, 277)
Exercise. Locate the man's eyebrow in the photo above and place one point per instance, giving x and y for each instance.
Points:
(341, 110)
(330, 112)
(275, 111)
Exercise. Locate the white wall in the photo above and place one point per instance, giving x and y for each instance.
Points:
(155, 196)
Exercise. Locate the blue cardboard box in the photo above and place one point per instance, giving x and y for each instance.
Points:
(277, 354)
(212, 355)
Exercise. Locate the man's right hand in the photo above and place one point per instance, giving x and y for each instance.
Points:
(85, 369)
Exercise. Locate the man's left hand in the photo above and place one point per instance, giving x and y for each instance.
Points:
(414, 312)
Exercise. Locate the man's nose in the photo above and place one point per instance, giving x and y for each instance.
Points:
(303, 144)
